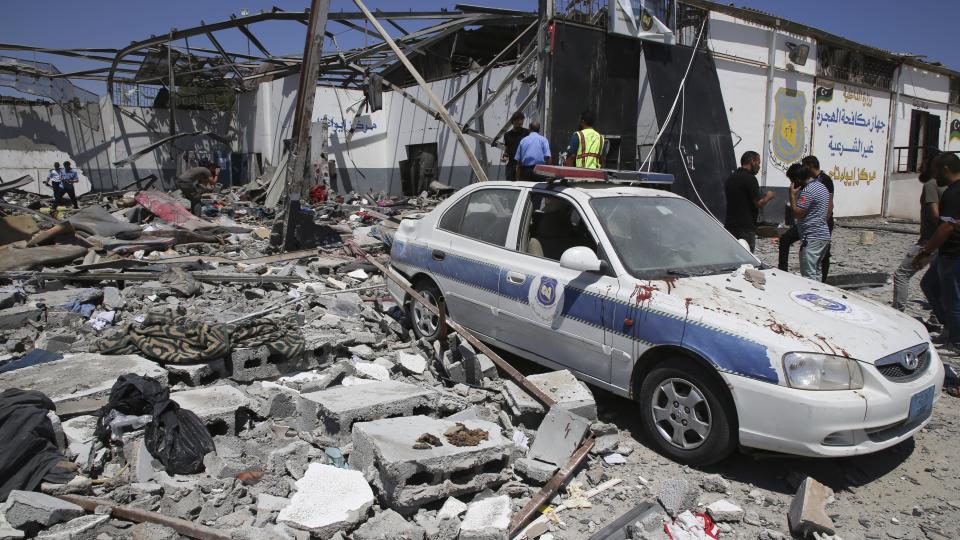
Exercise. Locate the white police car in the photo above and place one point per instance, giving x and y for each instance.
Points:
(640, 292)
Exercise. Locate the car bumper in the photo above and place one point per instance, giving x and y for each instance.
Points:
(834, 423)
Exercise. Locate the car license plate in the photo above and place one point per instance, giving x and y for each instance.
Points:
(921, 404)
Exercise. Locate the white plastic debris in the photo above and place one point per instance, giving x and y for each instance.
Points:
(359, 273)
(521, 440)
(614, 459)
(690, 527)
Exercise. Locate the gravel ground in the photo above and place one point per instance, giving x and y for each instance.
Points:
(909, 491)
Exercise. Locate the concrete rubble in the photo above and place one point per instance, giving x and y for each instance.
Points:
(343, 425)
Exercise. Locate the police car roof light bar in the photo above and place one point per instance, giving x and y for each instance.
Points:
(554, 174)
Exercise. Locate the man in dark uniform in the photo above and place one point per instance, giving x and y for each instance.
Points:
(196, 180)
(511, 140)
(744, 199)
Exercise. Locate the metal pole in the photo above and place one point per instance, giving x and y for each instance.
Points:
(303, 114)
(891, 141)
(172, 93)
(543, 69)
(474, 163)
(771, 65)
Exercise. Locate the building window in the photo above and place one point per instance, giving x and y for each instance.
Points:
(924, 136)
(854, 66)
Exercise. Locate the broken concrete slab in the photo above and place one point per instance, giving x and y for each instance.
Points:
(534, 470)
(258, 364)
(452, 508)
(725, 511)
(81, 378)
(677, 495)
(487, 519)
(412, 362)
(81, 527)
(562, 386)
(97, 221)
(807, 514)
(197, 374)
(327, 500)
(113, 298)
(36, 257)
(29, 511)
(407, 478)
(388, 525)
(285, 405)
(19, 316)
(222, 408)
(558, 436)
(340, 407)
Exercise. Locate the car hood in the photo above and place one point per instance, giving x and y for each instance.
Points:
(792, 313)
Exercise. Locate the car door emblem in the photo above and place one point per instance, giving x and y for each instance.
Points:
(546, 298)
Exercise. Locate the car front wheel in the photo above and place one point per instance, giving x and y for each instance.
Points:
(686, 414)
(425, 323)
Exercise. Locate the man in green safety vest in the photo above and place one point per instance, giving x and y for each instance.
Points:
(587, 149)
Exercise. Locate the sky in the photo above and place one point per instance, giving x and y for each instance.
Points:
(923, 27)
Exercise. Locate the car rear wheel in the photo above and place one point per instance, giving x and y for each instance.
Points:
(425, 323)
(686, 414)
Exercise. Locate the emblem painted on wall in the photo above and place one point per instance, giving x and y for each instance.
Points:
(955, 129)
(790, 132)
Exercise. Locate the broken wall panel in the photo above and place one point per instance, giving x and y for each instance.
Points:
(594, 71)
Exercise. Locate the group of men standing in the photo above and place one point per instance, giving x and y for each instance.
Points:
(525, 148)
(811, 205)
(62, 181)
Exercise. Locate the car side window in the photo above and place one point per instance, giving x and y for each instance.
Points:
(484, 215)
(551, 226)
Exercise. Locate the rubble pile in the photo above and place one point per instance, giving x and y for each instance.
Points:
(188, 378)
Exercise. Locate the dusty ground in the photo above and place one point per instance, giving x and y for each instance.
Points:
(909, 491)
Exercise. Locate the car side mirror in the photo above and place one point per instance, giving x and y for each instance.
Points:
(581, 259)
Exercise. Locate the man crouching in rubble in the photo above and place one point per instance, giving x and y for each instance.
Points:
(196, 180)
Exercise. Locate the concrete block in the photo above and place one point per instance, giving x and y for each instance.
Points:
(714, 483)
(487, 519)
(198, 374)
(562, 386)
(84, 377)
(271, 503)
(807, 514)
(257, 364)
(340, 407)
(558, 436)
(30, 511)
(284, 405)
(388, 525)
(677, 495)
(725, 511)
(407, 477)
(7, 532)
(328, 499)
(536, 471)
(222, 408)
(81, 527)
(372, 370)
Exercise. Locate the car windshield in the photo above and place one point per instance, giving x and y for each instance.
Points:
(664, 236)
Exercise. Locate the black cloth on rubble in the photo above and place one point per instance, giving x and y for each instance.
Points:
(28, 448)
(176, 437)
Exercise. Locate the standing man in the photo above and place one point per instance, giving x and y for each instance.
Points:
(941, 283)
(67, 179)
(744, 200)
(196, 180)
(929, 220)
(812, 163)
(511, 140)
(587, 148)
(534, 150)
(810, 203)
(53, 182)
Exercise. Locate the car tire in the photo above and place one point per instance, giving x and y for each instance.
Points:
(686, 413)
(425, 324)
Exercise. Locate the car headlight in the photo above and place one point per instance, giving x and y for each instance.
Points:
(815, 371)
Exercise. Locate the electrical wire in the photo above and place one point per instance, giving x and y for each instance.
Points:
(673, 108)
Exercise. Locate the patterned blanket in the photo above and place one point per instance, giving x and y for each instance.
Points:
(180, 340)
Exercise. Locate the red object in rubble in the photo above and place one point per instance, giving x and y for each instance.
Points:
(318, 194)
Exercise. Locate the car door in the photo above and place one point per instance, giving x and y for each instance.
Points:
(550, 311)
(470, 240)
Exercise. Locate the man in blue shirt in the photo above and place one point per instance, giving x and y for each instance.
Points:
(67, 179)
(534, 150)
(810, 202)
